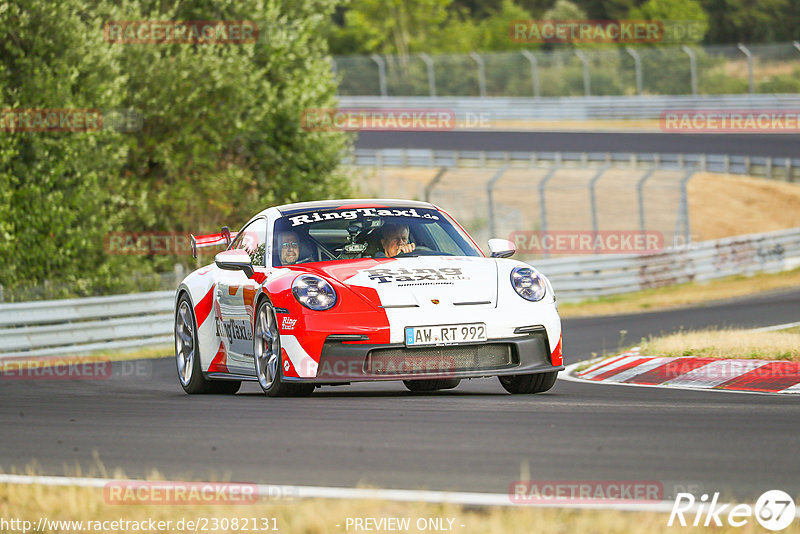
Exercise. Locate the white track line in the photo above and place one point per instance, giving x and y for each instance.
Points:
(776, 327)
(398, 495)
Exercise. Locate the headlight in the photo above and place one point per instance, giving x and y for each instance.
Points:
(313, 292)
(528, 283)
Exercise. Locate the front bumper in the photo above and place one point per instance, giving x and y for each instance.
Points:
(345, 361)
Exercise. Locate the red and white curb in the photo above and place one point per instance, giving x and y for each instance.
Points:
(631, 368)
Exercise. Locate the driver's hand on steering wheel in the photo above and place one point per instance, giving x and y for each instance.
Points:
(404, 249)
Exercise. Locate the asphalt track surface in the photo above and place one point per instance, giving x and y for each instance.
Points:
(777, 145)
(473, 438)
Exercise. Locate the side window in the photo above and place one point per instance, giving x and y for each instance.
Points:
(253, 239)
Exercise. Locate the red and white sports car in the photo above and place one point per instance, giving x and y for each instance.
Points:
(339, 291)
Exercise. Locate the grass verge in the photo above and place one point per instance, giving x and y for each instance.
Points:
(727, 343)
(32, 502)
(681, 295)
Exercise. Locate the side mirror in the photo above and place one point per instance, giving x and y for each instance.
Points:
(501, 248)
(235, 260)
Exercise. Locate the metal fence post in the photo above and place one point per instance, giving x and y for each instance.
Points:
(381, 73)
(534, 71)
(379, 162)
(431, 74)
(429, 187)
(692, 67)
(481, 72)
(749, 56)
(542, 205)
(637, 62)
(640, 195)
(593, 199)
(769, 167)
(490, 195)
(587, 82)
(683, 210)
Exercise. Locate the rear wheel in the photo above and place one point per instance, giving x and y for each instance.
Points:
(187, 358)
(267, 352)
(434, 384)
(527, 384)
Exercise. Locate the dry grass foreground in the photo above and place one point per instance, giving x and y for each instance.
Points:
(727, 343)
(31, 502)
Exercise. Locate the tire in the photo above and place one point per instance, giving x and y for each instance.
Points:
(187, 359)
(528, 384)
(434, 384)
(267, 356)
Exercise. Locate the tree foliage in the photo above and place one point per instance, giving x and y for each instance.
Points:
(461, 26)
(221, 135)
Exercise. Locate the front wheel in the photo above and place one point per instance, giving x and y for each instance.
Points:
(267, 353)
(187, 357)
(527, 384)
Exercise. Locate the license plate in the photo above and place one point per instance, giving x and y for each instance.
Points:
(446, 334)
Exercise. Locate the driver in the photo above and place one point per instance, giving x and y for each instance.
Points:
(289, 245)
(394, 240)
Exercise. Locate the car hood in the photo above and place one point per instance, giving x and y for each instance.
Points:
(424, 281)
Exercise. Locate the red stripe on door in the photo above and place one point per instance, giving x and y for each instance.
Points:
(220, 362)
(203, 308)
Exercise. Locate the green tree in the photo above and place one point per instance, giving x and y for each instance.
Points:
(674, 12)
(222, 133)
(55, 206)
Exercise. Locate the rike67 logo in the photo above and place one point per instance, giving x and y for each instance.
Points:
(774, 510)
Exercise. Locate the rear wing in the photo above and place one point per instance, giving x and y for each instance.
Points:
(212, 240)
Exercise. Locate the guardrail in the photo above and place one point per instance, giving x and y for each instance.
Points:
(580, 278)
(575, 108)
(787, 169)
(79, 326)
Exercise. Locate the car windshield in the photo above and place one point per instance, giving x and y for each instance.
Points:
(340, 234)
